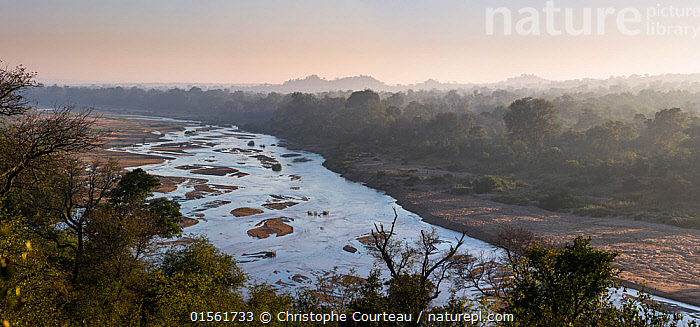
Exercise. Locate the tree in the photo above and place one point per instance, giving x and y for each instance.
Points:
(587, 118)
(542, 285)
(70, 192)
(134, 186)
(13, 82)
(34, 137)
(32, 285)
(667, 130)
(364, 116)
(416, 270)
(532, 121)
(606, 139)
(28, 138)
(553, 287)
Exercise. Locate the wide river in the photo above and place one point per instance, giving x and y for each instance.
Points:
(215, 160)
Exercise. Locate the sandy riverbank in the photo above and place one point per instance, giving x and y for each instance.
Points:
(666, 259)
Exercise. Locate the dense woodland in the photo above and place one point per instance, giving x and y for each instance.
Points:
(78, 239)
(592, 153)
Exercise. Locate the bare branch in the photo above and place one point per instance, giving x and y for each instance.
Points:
(12, 83)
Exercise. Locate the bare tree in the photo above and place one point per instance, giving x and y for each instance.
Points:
(490, 275)
(31, 138)
(73, 192)
(402, 258)
(12, 83)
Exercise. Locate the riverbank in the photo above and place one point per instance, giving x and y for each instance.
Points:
(661, 257)
(664, 259)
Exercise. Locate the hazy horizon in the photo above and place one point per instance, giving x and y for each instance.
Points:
(252, 42)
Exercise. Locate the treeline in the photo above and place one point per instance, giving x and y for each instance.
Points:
(610, 154)
(230, 106)
(210, 105)
(646, 164)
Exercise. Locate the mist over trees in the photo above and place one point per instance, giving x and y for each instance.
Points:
(636, 147)
(79, 238)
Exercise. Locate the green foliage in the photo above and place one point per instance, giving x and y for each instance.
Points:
(594, 210)
(196, 278)
(532, 121)
(491, 184)
(514, 198)
(202, 258)
(461, 190)
(167, 213)
(440, 179)
(32, 287)
(135, 186)
(277, 167)
(557, 200)
(564, 287)
(460, 306)
(571, 287)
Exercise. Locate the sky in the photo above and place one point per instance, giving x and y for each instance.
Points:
(398, 42)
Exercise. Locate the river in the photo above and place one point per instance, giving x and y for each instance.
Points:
(217, 159)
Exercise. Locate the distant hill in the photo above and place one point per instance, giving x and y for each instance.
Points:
(314, 84)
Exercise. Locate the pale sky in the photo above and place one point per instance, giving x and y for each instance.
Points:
(268, 41)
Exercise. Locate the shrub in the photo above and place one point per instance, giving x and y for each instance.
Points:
(412, 180)
(277, 167)
(594, 210)
(557, 200)
(441, 179)
(491, 183)
(516, 199)
(251, 143)
(455, 167)
(460, 189)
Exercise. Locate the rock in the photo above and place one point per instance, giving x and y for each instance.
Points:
(350, 249)
(272, 226)
(245, 211)
(280, 205)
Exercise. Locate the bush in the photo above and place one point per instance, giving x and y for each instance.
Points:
(441, 179)
(557, 200)
(381, 173)
(461, 190)
(516, 199)
(456, 167)
(594, 210)
(412, 180)
(277, 167)
(251, 143)
(491, 183)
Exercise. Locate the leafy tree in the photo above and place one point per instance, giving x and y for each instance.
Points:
(202, 258)
(570, 287)
(195, 278)
(491, 183)
(666, 130)
(32, 287)
(587, 118)
(532, 121)
(606, 140)
(557, 200)
(134, 186)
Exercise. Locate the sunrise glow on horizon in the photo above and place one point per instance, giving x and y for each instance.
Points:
(274, 41)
